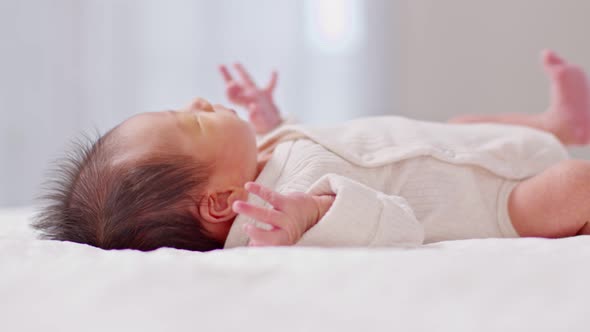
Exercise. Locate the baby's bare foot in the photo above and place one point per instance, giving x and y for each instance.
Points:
(568, 116)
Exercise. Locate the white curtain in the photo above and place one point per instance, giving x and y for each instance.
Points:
(69, 66)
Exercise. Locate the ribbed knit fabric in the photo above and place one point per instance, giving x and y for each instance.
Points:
(449, 201)
(401, 181)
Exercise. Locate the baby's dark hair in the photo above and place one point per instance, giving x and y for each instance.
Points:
(142, 205)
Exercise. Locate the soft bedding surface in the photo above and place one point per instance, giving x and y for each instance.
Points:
(475, 285)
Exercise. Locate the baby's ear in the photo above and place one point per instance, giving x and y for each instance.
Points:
(216, 207)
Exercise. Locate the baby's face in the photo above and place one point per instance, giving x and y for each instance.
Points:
(214, 135)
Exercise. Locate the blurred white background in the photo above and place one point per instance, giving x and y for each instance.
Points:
(72, 66)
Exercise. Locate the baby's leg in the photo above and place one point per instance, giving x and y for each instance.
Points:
(553, 204)
(568, 117)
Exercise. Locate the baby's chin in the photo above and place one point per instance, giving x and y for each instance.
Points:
(250, 132)
(252, 139)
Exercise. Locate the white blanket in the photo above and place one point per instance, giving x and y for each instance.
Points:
(470, 285)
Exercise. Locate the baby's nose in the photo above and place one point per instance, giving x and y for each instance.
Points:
(202, 104)
(223, 108)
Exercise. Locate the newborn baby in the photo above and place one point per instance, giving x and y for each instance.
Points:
(183, 178)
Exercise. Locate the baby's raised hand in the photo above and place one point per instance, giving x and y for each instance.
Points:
(290, 216)
(262, 111)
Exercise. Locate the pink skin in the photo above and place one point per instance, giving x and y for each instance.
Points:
(570, 109)
(554, 203)
(289, 215)
(550, 204)
(568, 116)
(262, 111)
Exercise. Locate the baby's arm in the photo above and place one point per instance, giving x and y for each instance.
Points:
(262, 111)
(357, 216)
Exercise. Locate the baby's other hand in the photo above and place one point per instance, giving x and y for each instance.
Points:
(290, 216)
(262, 111)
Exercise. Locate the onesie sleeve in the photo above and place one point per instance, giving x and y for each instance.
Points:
(362, 216)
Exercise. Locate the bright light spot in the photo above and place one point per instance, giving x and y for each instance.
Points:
(334, 26)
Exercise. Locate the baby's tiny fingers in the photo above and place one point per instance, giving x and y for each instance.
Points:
(273, 81)
(244, 74)
(274, 198)
(266, 215)
(225, 73)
